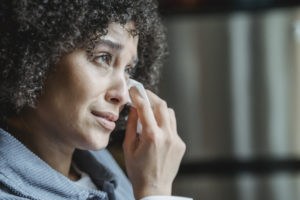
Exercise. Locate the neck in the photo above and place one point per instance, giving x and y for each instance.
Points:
(44, 144)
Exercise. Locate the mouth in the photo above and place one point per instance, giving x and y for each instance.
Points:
(106, 119)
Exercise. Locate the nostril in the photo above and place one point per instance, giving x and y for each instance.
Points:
(114, 100)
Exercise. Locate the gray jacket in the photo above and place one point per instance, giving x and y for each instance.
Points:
(23, 175)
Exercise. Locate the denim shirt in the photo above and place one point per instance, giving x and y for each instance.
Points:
(23, 175)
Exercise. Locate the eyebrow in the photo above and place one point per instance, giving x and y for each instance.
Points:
(110, 44)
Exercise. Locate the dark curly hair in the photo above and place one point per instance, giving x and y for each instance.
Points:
(36, 33)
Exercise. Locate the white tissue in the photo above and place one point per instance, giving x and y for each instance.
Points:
(141, 89)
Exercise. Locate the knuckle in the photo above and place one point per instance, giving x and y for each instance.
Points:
(161, 104)
(171, 111)
(151, 138)
(164, 104)
(142, 105)
(182, 146)
(148, 130)
(140, 102)
(161, 107)
(149, 133)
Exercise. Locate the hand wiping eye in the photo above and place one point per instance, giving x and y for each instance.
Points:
(141, 89)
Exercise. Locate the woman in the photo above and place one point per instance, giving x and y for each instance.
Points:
(64, 68)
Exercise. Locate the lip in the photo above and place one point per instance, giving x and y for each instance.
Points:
(106, 119)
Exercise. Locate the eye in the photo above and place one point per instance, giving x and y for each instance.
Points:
(130, 71)
(103, 59)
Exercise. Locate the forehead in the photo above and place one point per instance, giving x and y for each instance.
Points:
(121, 34)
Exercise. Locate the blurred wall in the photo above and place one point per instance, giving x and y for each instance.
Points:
(233, 80)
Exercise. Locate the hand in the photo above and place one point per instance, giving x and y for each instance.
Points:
(152, 158)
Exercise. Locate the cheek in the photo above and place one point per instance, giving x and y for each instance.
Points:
(75, 86)
(81, 84)
(65, 92)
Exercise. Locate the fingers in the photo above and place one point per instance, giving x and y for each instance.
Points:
(130, 136)
(144, 110)
(158, 114)
(173, 120)
(160, 110)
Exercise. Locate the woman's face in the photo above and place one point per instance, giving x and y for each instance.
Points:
(83, 96)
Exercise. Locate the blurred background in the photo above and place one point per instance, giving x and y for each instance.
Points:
(233, 78)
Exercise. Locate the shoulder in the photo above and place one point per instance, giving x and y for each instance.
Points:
(124, 187)
(7, 194)
(8, 186)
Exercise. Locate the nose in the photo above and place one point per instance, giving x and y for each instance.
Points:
(118, 92)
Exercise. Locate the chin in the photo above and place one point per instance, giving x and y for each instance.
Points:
(97, 140)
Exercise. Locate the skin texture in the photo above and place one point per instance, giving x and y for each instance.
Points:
(152, 159)
(63, 118)
(49, 87)
(35, 34)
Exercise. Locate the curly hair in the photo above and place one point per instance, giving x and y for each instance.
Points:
(36, 33)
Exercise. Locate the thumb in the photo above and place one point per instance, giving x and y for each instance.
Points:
(131, 135)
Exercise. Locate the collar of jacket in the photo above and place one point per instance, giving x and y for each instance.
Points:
(26, 175)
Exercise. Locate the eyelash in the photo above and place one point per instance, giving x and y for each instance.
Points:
(130, 71)
(103, 56)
